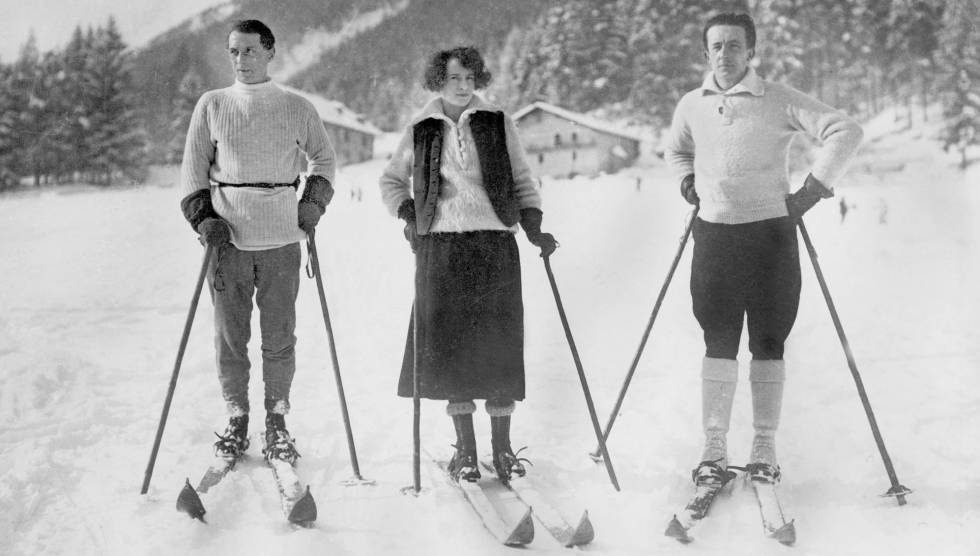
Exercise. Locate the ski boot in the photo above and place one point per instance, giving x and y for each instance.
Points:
(279, 445)
(763, 472)
(234, 442)
(463, 465)
(505, 461)
(709, 473)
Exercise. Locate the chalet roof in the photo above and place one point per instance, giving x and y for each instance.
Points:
(581, 119)
(336, 113)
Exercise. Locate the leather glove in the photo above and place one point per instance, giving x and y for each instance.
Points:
(214, 232)
(805, 197)
(406, 211)
(531, 222)
(687, 190)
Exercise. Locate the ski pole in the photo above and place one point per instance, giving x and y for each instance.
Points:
(646, 333)
(416, 401)
(314, 259)
(581, 374)
(897, 489)
(173, 377)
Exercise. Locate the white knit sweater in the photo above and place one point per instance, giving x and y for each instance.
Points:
(736, 142)
(255, 134)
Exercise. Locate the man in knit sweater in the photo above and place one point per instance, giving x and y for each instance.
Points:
(728, 148)
(246, 147)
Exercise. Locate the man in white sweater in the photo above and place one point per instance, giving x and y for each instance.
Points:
(246, 147)
(728, 148)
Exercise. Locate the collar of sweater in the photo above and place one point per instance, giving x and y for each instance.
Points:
(751, 84)
(433, 109)
(264, 88)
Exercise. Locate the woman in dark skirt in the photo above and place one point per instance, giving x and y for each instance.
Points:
(460, 181)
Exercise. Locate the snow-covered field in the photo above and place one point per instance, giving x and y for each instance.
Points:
(95, 290)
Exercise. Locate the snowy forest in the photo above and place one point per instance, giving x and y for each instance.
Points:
(77, 113)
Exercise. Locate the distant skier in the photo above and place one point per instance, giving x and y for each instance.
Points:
(727, 146)
(843, 209)
(246, 147)
(460, 181)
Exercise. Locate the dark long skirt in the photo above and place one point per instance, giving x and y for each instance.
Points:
(471, 318)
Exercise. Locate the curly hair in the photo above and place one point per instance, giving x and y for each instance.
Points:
(469, 57)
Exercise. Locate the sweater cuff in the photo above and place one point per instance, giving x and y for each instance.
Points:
(815, 186)
(197, 207)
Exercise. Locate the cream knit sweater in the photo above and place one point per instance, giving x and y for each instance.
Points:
(255, 134)
(741, 138)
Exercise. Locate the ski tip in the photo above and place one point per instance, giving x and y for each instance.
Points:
(583, 533)
(304, 511)
(190, 503)
(523, 532)
(785, 534)
(677, 531)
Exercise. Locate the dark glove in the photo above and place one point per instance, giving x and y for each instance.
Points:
(406, 211)
(687, 190)
(214, 232)
(316, 196)
(805, 197)
(531, 222)
(308, 215)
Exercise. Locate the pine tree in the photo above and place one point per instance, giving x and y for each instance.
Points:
(8, 123)
(960, 81)
(116, 137)
(190, 90)
(667, 56)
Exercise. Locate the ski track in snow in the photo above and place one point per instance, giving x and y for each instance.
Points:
(97, 285)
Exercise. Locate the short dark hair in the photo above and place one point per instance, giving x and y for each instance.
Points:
(469, 57)
(742, 20)
(255, 27)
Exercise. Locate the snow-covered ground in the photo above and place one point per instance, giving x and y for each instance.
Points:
(95, 290)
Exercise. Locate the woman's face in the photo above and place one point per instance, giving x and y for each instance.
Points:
(460, 84)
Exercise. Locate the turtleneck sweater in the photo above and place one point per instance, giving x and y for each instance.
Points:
(255, 134)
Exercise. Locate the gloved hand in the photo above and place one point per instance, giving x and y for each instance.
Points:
(805, 197)
(406, 211)
(316, 196)
(308, 215)
(531, 222)
(214, 232)
(687, 190)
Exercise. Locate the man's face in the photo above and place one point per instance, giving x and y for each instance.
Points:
(728, 54)
(249, 58)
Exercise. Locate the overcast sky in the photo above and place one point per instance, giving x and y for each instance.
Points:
(54, 20)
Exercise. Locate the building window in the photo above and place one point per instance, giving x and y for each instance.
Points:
(557, 140)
